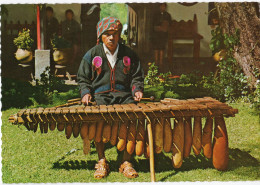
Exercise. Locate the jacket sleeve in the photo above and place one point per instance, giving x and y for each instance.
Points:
(137, 73)
(84, 76)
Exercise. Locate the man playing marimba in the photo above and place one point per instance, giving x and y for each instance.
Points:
(111, 73)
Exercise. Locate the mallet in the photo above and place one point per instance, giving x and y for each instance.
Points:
(151, 98)
(74, 102)
(78, 100)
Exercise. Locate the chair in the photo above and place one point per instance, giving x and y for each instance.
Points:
(184, 31)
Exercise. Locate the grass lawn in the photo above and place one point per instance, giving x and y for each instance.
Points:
(29, 157)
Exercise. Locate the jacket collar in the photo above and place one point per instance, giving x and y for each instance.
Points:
(120, 50)
(106, 50)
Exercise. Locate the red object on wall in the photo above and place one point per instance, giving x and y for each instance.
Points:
(38, 28)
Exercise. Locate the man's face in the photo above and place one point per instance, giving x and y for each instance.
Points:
(49, 14)
(162, 7)
(110, 39)
(69, 16)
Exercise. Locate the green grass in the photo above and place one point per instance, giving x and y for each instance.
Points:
(35, 157)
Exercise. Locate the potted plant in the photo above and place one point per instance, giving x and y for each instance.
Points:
(24, 43)
(63, 50)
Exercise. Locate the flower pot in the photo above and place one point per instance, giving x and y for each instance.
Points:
(62, 56)
(23, 55)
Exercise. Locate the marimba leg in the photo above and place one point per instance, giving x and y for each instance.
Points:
(150, 137)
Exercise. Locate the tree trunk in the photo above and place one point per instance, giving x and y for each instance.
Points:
(244, 17)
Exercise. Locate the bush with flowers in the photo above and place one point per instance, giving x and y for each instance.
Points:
(167, 85)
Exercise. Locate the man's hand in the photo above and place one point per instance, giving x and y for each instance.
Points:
(138, 96)
(86, 99)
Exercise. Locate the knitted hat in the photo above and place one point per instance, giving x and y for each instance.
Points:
(107, 24)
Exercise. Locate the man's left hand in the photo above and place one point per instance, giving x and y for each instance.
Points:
(138, 96)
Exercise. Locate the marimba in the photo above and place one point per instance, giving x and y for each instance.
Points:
(143, 128)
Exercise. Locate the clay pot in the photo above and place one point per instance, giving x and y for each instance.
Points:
(23, 56)
(62, 56)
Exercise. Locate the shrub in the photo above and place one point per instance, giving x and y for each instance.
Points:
(231, 81)
(60, 42)
(152, 75)
(165, 80)
(47, 86)
(193, 79)
(16, 94)
(24, 40)
(171, 94)
(48, 90)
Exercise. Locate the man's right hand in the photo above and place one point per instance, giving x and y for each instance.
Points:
(86, 99)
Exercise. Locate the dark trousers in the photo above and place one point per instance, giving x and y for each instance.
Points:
(111, 98)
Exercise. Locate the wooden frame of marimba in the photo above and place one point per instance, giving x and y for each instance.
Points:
(108, 121)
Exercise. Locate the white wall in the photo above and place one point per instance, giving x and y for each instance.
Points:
(180, 12)
(20, 12)
(28, 12)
